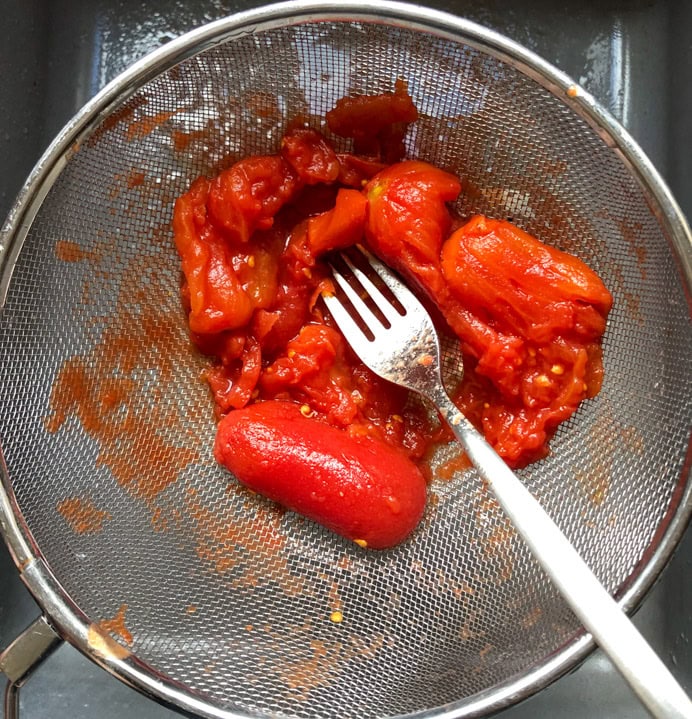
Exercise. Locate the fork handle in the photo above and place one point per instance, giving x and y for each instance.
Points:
(613, 631)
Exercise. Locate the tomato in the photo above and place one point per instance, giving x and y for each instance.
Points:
(233, 381)
(545, 312)
(311, 372)
(377, 123)
(246, 197)
(360, 488)
(522, 285)
(310, 155)
(216, 296)
(224, 281)
(407, 211)
(340, 227)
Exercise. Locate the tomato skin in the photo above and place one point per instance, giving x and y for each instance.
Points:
(407, 212)
(522, 285)
(360, 488)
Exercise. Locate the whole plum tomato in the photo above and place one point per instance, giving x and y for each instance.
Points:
(361, 488)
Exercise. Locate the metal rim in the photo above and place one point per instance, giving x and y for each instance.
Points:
(72, 624)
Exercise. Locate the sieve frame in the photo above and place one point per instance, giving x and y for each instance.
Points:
(63, 614)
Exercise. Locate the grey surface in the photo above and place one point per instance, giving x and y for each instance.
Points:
(635, 56)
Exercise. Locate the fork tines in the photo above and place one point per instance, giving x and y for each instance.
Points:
(364, 292)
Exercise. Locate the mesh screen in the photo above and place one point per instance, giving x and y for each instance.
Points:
(224, 592)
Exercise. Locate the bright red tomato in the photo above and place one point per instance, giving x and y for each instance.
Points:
(361, 488)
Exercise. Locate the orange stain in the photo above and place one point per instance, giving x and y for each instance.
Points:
(82, 515)
(138, 129)
(116, 626)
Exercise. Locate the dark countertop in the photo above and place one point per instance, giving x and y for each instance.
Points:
(634, 55)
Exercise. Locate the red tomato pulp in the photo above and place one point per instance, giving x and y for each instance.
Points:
(528, 316)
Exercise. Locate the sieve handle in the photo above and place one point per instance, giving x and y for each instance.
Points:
(641, 667)
(21, 657)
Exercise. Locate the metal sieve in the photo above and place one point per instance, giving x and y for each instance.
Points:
(149, 558)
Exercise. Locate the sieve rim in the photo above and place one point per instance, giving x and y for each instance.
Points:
(67, 618)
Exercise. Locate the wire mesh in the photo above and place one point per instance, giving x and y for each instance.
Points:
(223, 592)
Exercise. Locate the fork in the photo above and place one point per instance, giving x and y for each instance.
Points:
(394, 336)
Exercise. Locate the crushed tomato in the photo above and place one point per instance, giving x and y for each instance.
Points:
(528, 316)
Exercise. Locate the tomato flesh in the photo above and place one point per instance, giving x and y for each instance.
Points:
(302, 420)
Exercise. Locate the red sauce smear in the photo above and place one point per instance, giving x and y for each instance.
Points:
(69, 251)
(147, 124)
(108, 390)
(181, 139)
(135, 178)
(116, 626)
(82, 515)
(529, 318)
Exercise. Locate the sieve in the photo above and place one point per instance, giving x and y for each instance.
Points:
(147, 556)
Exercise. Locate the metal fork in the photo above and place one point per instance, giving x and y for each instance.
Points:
(395, 337)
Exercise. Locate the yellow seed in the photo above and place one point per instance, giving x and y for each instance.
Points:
(397, 418)
(376, 190)
(305, 410)
(336, 617)
(557, 369)
(307, 272)
(361, 543)
(532, 352)
(251, 261)
(486, 405)
(585, 387)
(542, 380)
(291, 354)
